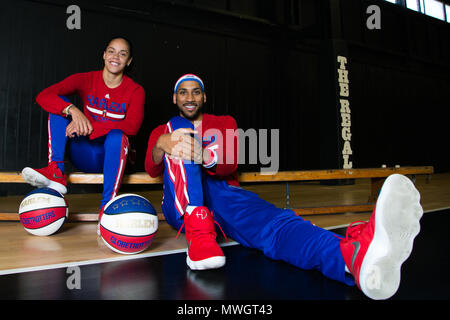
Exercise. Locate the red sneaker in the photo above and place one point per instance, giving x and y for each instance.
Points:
(203, 250)
(50, 176)
(374, 251)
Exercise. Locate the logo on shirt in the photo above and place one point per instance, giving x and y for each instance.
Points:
(103, 109)
(207, 140)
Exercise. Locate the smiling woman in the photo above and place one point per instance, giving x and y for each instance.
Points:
(117, 57)
(97, 133)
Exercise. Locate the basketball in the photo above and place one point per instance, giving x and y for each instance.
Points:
(128, 224)
(43, 211)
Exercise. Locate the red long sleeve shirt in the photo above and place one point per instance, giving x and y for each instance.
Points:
(220, 130)
(118, 108)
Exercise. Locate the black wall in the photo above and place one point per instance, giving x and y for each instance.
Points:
(270, 64)
(400, 87)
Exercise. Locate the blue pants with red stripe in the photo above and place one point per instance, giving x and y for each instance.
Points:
(107, 154)
(248, 219)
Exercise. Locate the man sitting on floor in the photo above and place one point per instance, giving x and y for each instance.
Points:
(201, 189)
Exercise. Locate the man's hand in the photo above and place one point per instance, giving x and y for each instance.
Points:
(80, 125)
(179, 144)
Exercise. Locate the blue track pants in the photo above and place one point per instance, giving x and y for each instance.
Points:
(250, 220)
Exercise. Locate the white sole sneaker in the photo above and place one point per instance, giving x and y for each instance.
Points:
(206, 264)
(36, 179)
(397, 215)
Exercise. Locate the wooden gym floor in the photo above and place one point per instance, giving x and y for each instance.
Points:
(23, 255)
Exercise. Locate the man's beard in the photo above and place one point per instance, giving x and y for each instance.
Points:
(191, 116)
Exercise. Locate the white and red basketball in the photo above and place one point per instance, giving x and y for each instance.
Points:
(128, 224)
(43, 211)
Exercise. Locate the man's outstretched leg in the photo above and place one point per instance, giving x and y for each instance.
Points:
(374, 251)
(279, 233)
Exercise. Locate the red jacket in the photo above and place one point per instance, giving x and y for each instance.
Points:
(214, 131)
(119, 108)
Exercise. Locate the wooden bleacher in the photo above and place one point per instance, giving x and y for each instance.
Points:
(376, 176)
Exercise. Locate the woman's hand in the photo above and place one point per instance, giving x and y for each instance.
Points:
(80, 125)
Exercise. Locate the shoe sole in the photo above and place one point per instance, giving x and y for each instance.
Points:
(397, 215)
(206, 264)
(36, 179)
